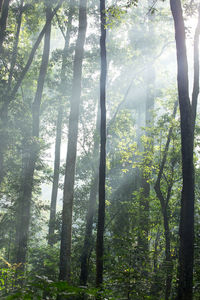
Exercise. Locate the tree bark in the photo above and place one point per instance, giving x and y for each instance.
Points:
(1, 2)
(15, 46)
(187, 114)
(59, 131)
(24, 201)
(102, 166)
(88, 244)
(164, 201)
(3, 21)
(143, 242)
(66, 233)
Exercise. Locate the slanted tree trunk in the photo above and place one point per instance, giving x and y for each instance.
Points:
(24, 201)
(102, 166)
(188, 115)
(59, 131)
(6, 90)
(15, 46)
(13, 92)
(88, 243)
(68, 196)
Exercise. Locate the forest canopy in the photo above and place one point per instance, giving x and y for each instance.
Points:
(99, 149)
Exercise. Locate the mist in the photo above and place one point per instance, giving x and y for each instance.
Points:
(99, 149)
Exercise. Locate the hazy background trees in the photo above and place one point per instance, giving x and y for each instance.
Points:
(49, 98)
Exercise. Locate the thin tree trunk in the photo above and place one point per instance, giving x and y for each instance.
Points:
(3, 21)
(164, 208)
(187, 114)
(24, 204)
(102, 166)
(143, 241)
(66, 233)
(15, 46)
(1, 2)
(145, 186)
(90, 212)
(59, 131)
(3, 133)
(3, 137)
(56, 174)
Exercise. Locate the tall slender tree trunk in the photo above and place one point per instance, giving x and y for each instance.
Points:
(88, 243)
(24, 201)
(3, 21)
(145, 186)
(187, 114)
(3, 135)
(102, 166)
(143, 241)
(59, 131)
(66, 233)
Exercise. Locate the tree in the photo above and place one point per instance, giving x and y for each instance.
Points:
(102, 166)
(65, 248)
(30, 158)
(3, 21)
(59, 129)
(87, 247)
(164, 202)
(12, 93)
(188, 116)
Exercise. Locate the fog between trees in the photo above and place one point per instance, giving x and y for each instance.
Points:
(99, 149)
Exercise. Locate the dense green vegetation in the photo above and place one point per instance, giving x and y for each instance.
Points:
(99, 149)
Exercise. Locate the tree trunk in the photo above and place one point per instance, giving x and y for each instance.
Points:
(15, 46)
(12, 93)
(66, 234)
(3, 21)
(24, 204)
(59, 131)
(164, 209)
(91, 211)
(145, 186)
(102, 166)
(143, 241)
(3, 135)
(187, 114)
(1, 2)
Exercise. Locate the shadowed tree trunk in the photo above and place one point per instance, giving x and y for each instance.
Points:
(102, 166)
(66, 233)
(164, 202)
(188, 115)
(59, 130)
(29, 161)
(1, 2)
(3, 135)
(88, 243)
(3, 21)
